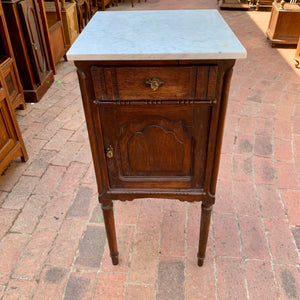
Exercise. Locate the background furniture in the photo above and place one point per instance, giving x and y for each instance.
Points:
(297, 54)
(28, 42)
(262, 3)
(284, 24)
(11, 142)
(56, 29)
(83, 13)
(8, 66)
(234, 4)
(155, 114)
(70, 22)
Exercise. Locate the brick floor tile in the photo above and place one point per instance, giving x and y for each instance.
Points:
(171, 278)
(291, 201)
(19, 289)
(283, 129)
(264, 127)
(273, 95)
(173, 238)
(89, 177)
(267, 110)
(231, 123)
(33, 129)
(34, 255)
(80, 286)
(150, 215)
(288, 279)
(263, 170)
(284, 111)
(244, 144)
(247, 125)
(234, 107)
(11, 176)
(230, 278)
(82, 205)
(228, 142)
(2, 288)
(80, 135)
(146, 292)
(286, 176)
(283, 150)
(225, 167)
(50, 180)
(75, 122)
(125, 238)
(52, 283)
(245, 198)
(128, 211)
(296, 234)
(296, 125)
(91, 248)
(281, 242)
(58, 140)
(72, 177)
(10, 250)
(256, 95)
(7, 217)
(263, 146)
(253, 238)
(39, 165)
(21, 192)
(251, 109)
(175, 205)
(193, 226)
(55, 212)
(110, 286)
(200, 282)
(224, 197)
(30, 214)
(84, 155)
(226, 235)
(49, 114)
(67, 154)
(33, 147)
(260, 271)
(270, 202)
(66, 243)
(242, 167)
(97, 215)
(49, 130)
(144, 264)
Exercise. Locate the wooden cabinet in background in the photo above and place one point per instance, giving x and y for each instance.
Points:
(70, 22)
(11, 142)
(56, 29)
(23, 19)
(262, 3)
(284, 24)
(8, 66)
(239, 4)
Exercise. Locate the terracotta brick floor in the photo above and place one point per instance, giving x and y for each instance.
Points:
(53, 243)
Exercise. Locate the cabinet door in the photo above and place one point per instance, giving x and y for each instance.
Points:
(32, 29)
(155, 146)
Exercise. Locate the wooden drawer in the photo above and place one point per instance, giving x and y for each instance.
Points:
(155, 83)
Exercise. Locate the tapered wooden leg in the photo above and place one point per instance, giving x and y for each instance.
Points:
(204, 229)
(109, 220)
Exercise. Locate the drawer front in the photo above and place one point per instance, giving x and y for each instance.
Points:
(155, 83)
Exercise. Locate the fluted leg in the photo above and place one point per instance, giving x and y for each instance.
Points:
(204, 229)
(109, 220)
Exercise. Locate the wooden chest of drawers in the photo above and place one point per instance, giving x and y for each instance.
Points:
(155, 126)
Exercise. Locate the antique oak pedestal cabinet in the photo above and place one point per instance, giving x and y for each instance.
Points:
(154, 91)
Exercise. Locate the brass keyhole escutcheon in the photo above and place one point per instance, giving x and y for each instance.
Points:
(154, 83)
(109, 151)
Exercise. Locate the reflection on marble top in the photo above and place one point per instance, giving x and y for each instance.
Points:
(156, 35)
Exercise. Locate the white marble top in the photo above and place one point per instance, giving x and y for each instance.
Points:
(156, 35)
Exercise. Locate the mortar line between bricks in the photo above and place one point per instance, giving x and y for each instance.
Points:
(132, 249)
(159, 248)
(236, 215)
(260, 206)
(186, 247)
(214, 257)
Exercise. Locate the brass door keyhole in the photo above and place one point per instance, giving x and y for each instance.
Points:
(109, 151)
(154, 83)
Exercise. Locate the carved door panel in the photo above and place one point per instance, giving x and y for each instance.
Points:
(32, 28)
(156, 146)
